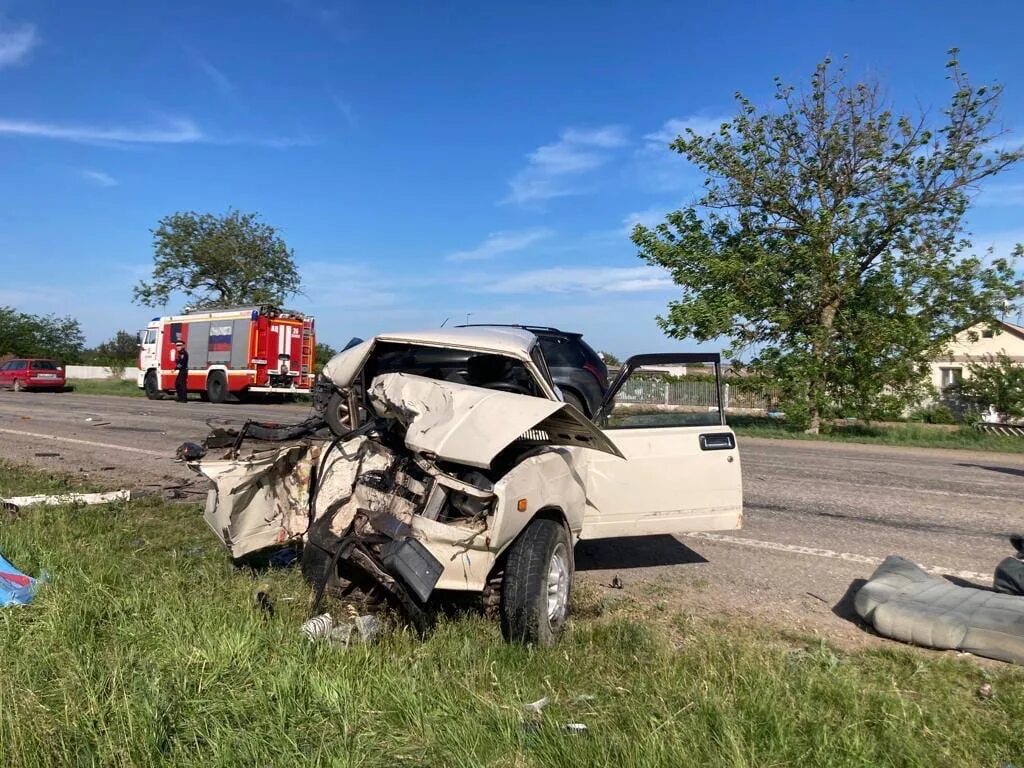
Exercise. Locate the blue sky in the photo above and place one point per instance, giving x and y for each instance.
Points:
(424, 160)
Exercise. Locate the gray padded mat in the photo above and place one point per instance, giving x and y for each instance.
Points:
(903, 602)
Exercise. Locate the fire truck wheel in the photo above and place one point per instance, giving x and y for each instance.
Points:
(152, 386)
(217, 387)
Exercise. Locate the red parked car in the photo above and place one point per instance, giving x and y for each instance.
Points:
(22, 373)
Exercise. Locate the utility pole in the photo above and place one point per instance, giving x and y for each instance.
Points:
(468, 315)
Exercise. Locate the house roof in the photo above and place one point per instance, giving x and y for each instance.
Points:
(1016, 330)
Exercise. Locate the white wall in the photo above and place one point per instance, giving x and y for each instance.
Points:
(973, 345)
(97, 372)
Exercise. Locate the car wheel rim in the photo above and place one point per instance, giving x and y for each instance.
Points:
(558, 584)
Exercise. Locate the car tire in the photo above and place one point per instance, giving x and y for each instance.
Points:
(152, 386)
(537, 583)
(573, 399)
(337, 415)
(18, 386)
(217, 387)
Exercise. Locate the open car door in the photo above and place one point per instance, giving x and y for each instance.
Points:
(682, 468)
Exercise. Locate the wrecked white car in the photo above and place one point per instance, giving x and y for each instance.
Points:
(453, 466)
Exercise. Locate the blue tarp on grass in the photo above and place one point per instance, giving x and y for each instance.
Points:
(15, 587)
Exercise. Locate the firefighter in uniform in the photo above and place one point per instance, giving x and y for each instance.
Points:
(181, 364)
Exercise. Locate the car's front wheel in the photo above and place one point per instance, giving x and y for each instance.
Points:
(537, 583)
(337, 414)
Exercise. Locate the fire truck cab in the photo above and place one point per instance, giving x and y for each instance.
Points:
(230, 351)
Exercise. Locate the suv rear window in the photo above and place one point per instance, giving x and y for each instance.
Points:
(44, 365)
(562, 353)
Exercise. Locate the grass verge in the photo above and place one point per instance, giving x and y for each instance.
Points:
(145, 648)
(915, 435)
(106, 387)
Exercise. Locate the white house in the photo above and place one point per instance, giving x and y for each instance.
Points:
(974, 345)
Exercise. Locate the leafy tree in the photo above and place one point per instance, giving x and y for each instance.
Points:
(829, 239)
(122, 348)
(324, 352)
(26, 335)
(219, 261)
(997, 381)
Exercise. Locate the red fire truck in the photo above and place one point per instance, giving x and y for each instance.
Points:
(236, 351)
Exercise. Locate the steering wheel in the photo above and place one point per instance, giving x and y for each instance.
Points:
(508, 386)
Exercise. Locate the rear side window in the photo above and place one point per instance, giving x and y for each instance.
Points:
(562, 353)
(44, 365)
(18, 365)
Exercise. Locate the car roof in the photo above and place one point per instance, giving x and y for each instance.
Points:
(512, 341)
(538, 330)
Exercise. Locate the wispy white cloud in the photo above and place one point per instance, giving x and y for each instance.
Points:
(214, 74)
(99, 178)
(498, 243)
(343, 106)
(551, 167)
(16, 42)
(173, 132)
(678, 126)
(331, 18)
(178, 131)
(647, 218)
(658, 169)
(583, 280)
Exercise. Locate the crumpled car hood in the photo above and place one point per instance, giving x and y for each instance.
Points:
(471, 425)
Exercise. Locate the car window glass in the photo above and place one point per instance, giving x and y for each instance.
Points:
(44, 365)
(19, 365)
(6, 366)
(652, 396)
(541, 362)
(562, 353)
(461, 366)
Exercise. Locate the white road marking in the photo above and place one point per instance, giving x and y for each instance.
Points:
(886, 488)
(816, 552)
(92, 443)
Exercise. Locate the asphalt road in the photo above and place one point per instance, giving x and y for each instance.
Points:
(818, 516)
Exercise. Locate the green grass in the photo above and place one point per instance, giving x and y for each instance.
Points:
(145, 648)
(917, 435)
(106, 387)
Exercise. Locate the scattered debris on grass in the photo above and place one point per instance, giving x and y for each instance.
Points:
(17, 502)
(363, 630)
(537, 706)
(16, 588)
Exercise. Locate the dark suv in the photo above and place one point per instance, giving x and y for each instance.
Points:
(576, 368)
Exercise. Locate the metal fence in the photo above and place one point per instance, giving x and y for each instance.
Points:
(655, 389)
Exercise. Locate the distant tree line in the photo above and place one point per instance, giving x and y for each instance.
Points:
(23, 334)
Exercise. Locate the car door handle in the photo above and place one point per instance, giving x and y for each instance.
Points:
(717, 441)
